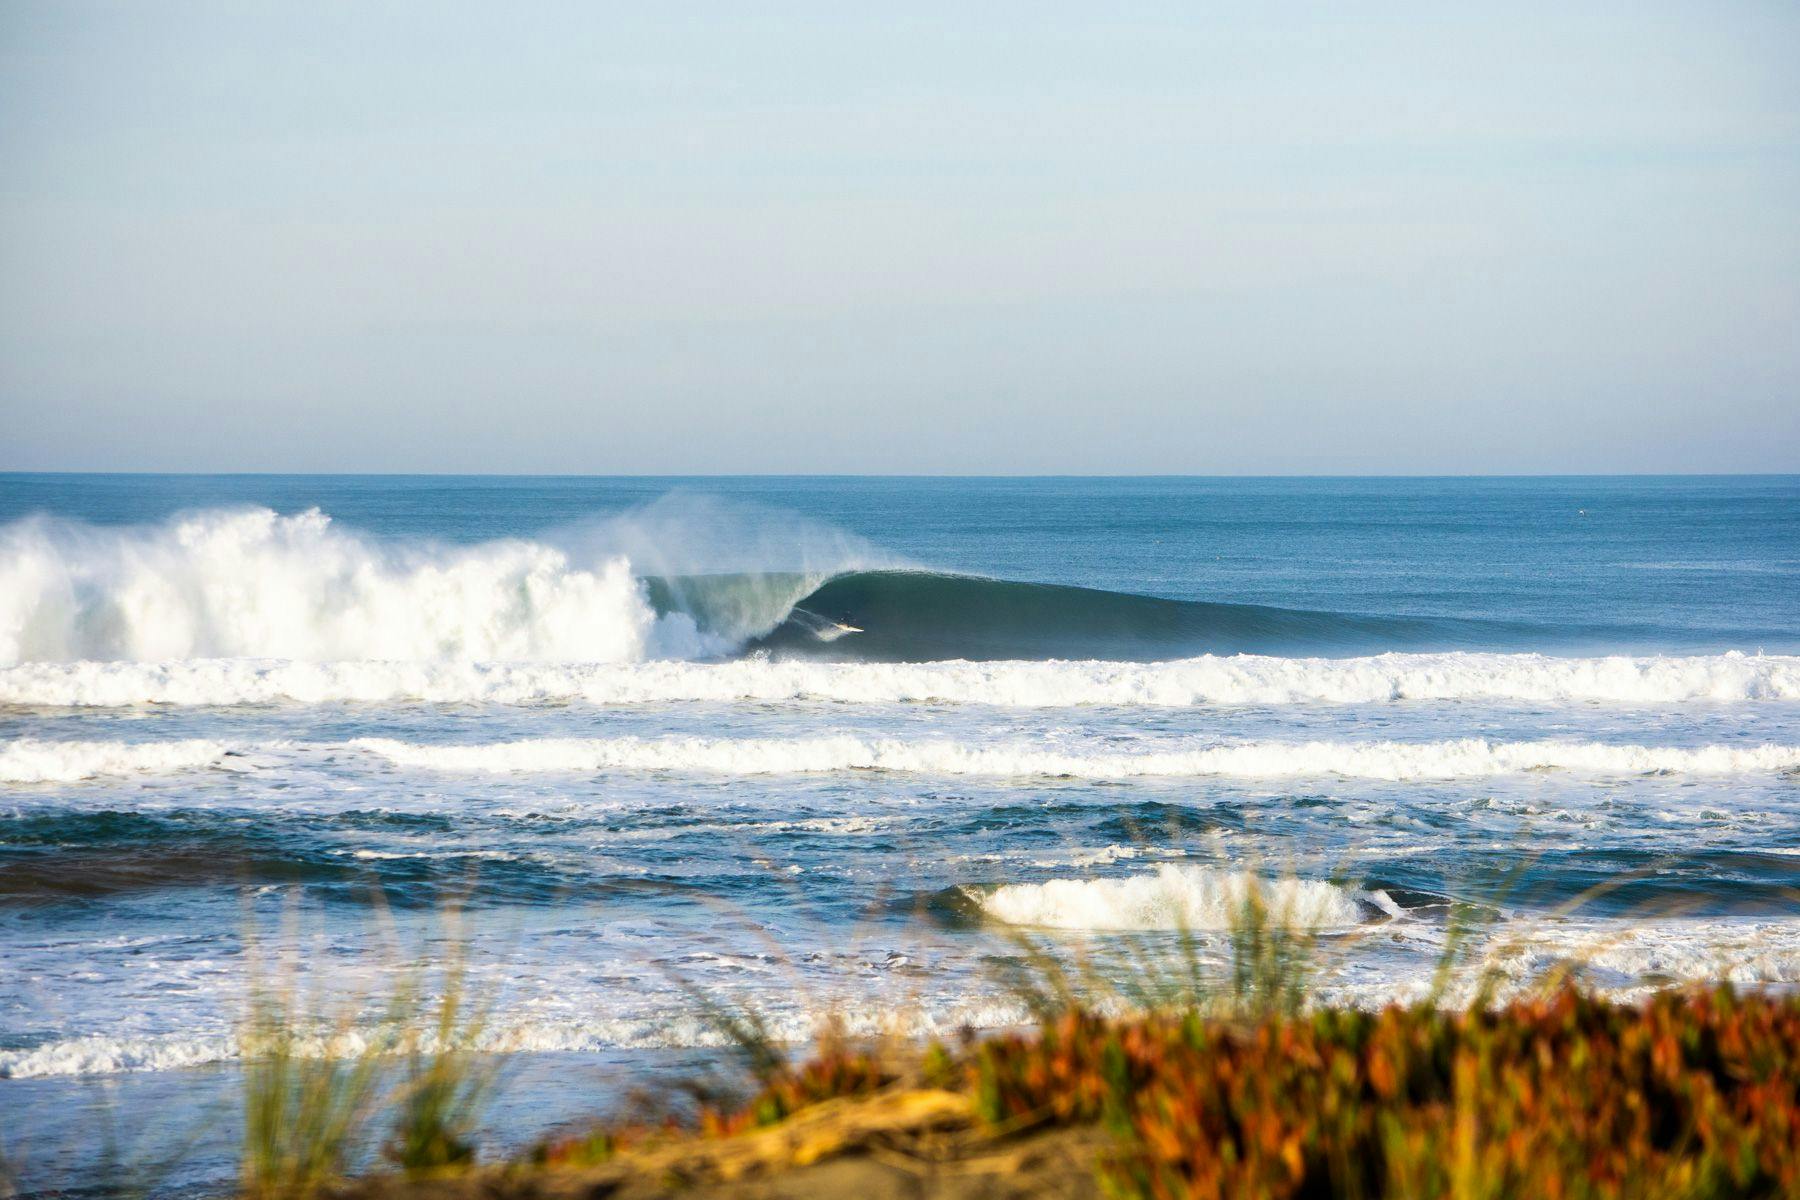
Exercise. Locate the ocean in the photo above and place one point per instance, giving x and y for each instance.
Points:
(831, 746)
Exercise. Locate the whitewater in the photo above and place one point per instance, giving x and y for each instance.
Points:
(257, 584)
(1234, 680)
(1464, 758)
(833, 746)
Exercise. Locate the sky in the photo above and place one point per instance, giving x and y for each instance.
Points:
(941, 239)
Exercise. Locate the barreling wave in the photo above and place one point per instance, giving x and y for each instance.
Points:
(1618, 680)
(1462, 758)
(923, 616)
(904, 616)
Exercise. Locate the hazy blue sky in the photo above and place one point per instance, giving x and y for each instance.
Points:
(843, 238)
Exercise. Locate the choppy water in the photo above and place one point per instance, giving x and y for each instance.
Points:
(824, 741)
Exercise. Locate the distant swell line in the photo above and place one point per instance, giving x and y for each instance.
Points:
(1208, 680)
(1454, 759)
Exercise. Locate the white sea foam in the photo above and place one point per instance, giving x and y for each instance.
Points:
(1633, 955)
(1455, 759)
(32, 761)
(1209, 680)
(250, 582)
(1621, 959)
(1173, 897)
(102, 1055)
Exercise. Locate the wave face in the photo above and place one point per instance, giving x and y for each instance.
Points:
(921, 616)
(1463, 758)
(1177, 898)
(1208, 681)
(252, 583)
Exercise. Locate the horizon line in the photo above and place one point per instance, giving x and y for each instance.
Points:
(146, 472)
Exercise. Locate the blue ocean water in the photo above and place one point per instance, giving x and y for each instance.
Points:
(826, 744)
(1701, 561)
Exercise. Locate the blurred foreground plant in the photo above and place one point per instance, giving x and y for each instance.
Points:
(446, 1082)
(1566, 1095)
(318, 1071)
(307, 1090)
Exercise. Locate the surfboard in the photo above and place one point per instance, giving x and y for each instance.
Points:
(823, 628)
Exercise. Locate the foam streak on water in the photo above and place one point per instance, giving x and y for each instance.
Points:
(1209, 680)
(1461, 759)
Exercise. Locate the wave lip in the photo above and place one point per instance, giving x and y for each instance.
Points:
(33, 761)
(1393, 761)
(1176, 898)
(1619, 680)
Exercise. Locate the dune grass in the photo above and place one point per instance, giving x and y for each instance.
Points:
(446, 1081)
(309, 1088)
(319, 1075)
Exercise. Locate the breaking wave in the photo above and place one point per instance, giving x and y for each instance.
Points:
(1456, 759)
(1177, 898)
(31, 761)
(253, 583)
